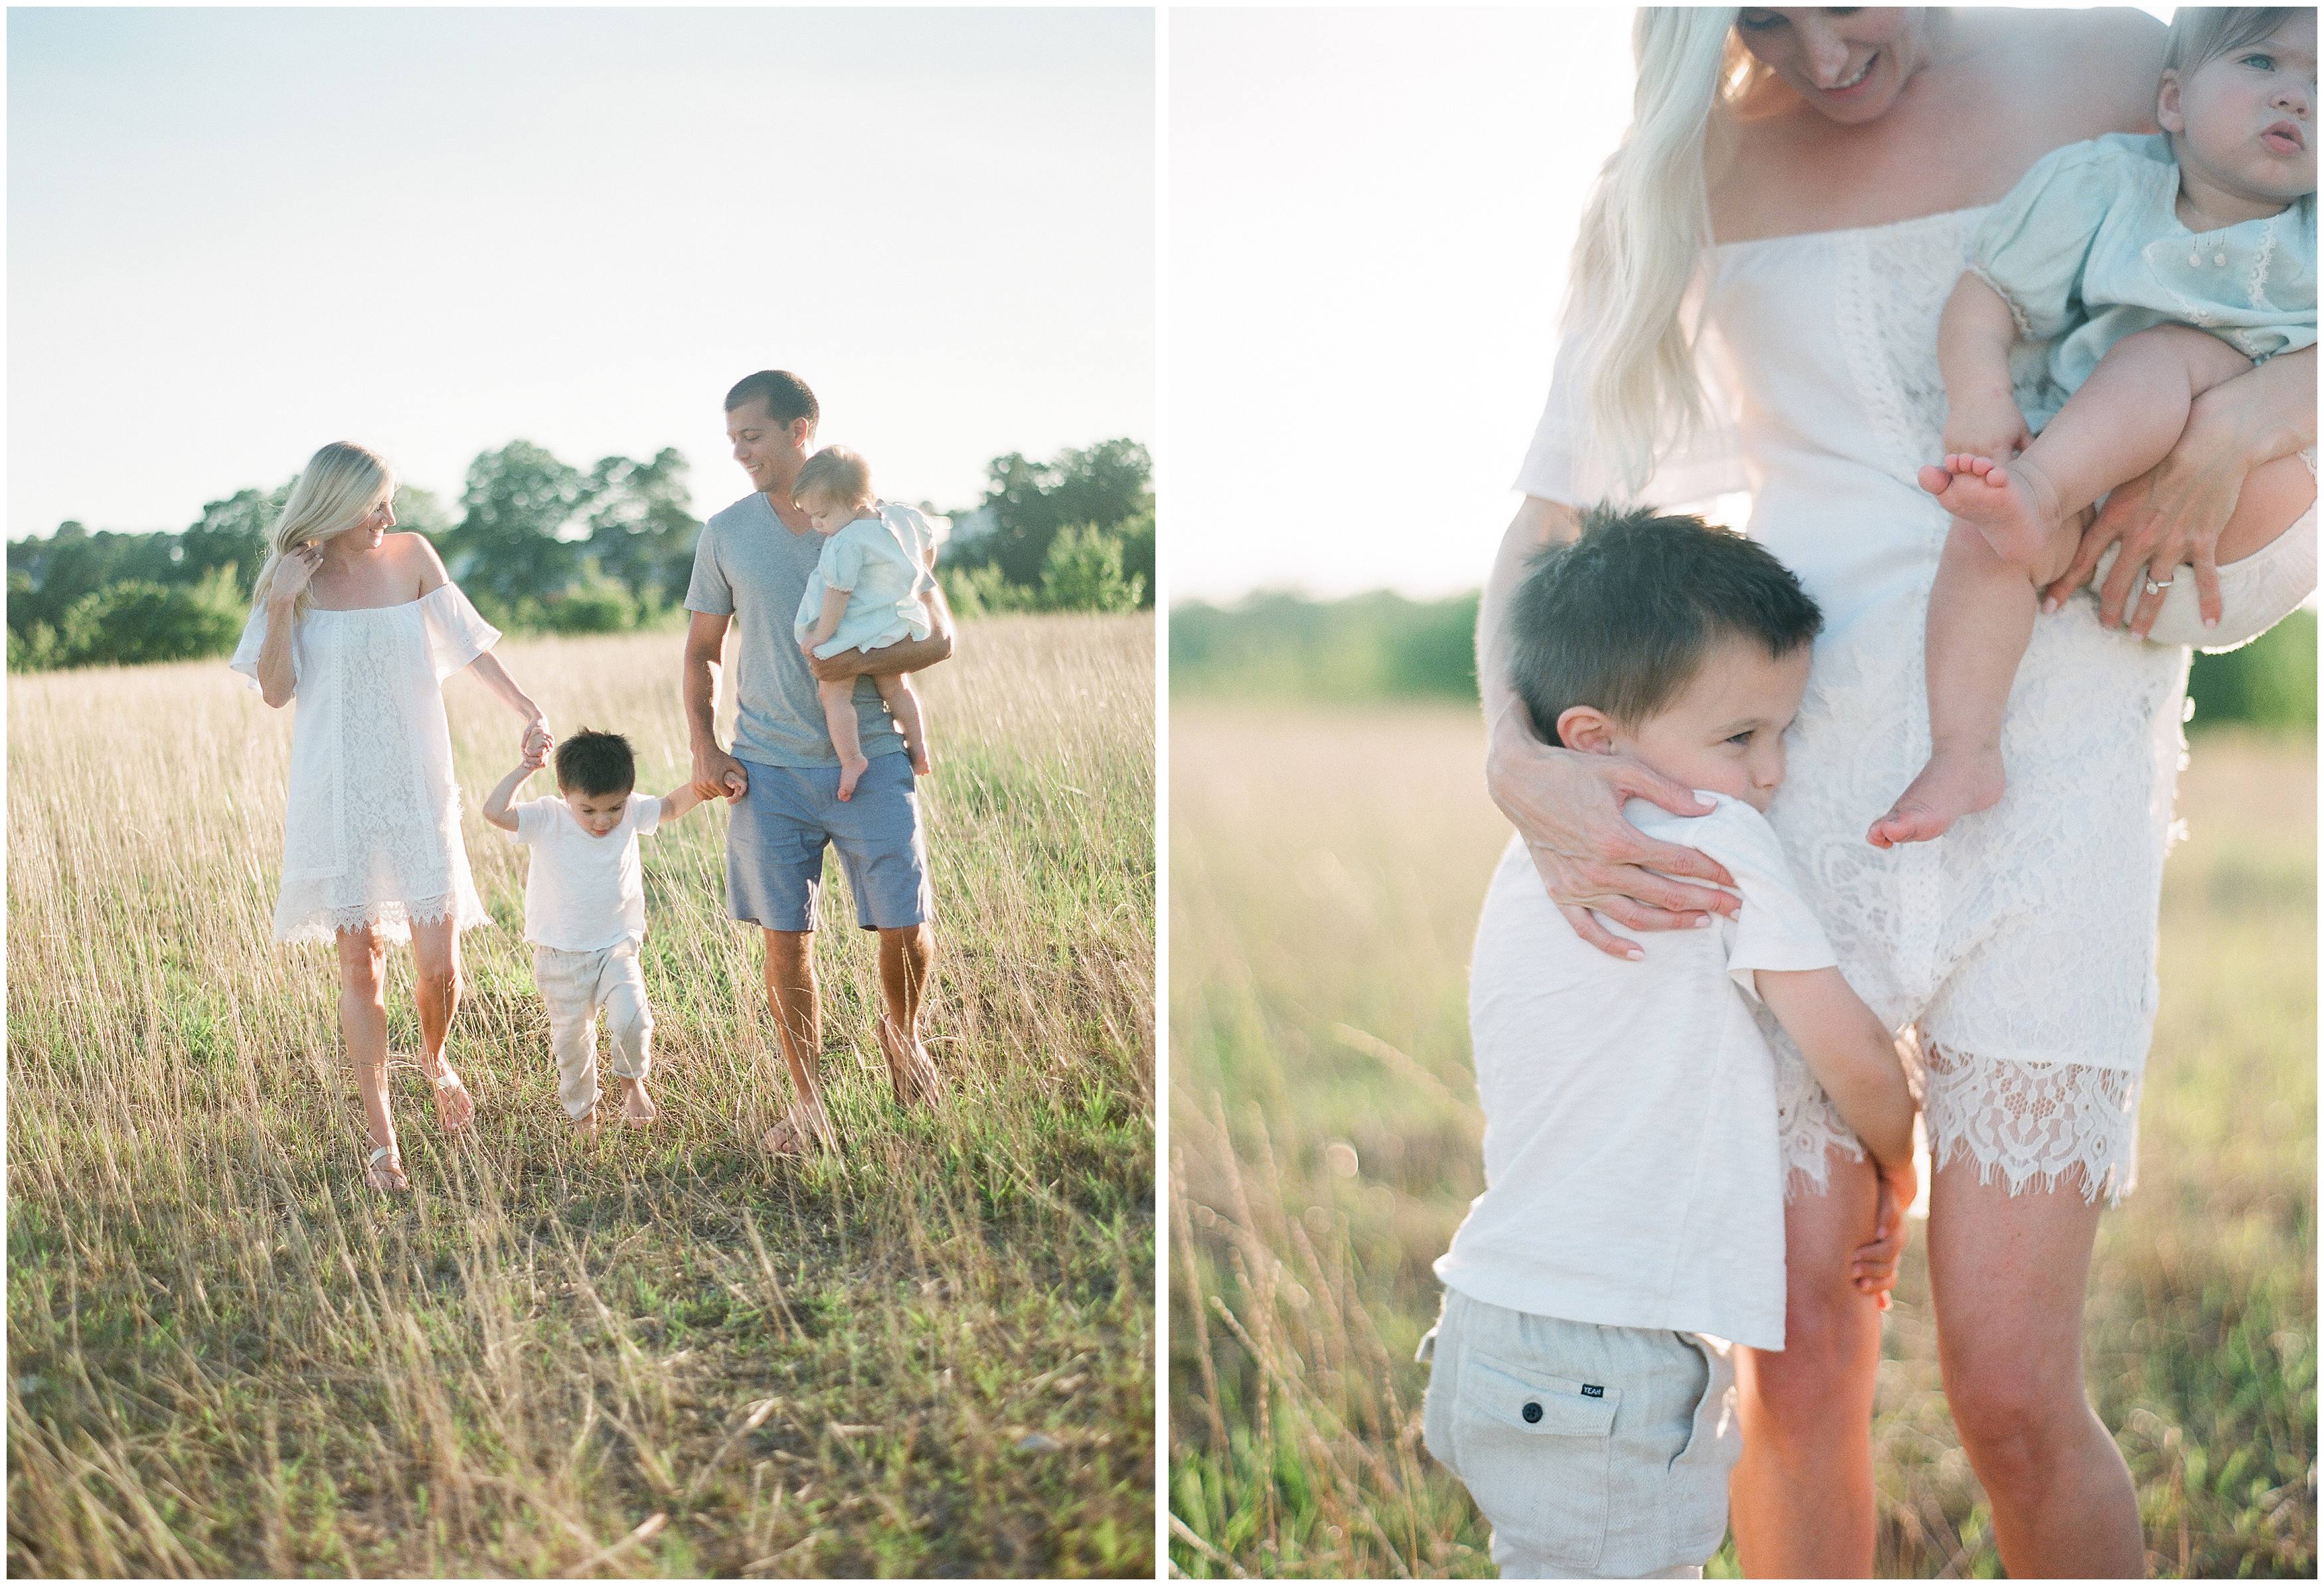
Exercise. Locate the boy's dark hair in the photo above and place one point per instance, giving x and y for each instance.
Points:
(784, 395)
(1621, 619)
(595, 764)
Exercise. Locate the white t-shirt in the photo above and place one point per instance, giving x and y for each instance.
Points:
(1633, 1174)
(584, 892)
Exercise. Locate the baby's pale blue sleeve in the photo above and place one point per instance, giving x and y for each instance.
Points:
(2034, 246)
(842, 563)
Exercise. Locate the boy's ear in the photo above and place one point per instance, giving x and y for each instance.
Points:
(1586, 728)
(2167, 115)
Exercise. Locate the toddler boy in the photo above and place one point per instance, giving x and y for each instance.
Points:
(1633, 1212)
(584, 911)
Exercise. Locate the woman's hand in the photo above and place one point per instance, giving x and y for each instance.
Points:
(1873, 1266)
(1568, 807)
(293, 573)
(537, 739)
(2165, 520)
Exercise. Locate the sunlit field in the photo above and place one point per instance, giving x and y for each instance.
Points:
(641, 1354)
(1326, 870)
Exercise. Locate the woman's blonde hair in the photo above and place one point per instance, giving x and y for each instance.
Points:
(838, 475)
(1644, 232)
(339, 489)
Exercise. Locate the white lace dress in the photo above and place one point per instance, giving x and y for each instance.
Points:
(371, 836)
(2022, 945)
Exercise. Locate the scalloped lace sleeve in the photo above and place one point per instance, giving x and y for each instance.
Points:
(457, 633)
(1565, 465)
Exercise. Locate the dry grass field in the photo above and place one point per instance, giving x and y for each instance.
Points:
(631, 1356)
(1326, 869)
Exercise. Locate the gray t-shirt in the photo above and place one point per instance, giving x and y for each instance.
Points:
(750, 565)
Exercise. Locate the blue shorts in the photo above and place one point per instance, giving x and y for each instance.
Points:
(776, 834)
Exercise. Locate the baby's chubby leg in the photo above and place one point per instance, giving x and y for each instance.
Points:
(838, 698)
(2125, 418)
(1981, 611)
(903, 703)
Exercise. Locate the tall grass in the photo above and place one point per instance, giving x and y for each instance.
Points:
(1326, 870)
(658, 1354)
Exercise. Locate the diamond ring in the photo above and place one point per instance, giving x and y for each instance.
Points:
(2154, 589)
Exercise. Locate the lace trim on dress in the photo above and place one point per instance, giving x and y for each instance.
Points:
(393, 921)
(2034, 1121)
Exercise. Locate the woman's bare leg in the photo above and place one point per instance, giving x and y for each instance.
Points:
(1800, 1498)
(436, 966)
(362, 1021)
(2007, 1273)
(903, 703)
(839, 716)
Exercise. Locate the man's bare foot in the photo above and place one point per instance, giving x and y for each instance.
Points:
(1954, 783)
(849, 772)
(455, 1108)
(638, 1109)
(803, 1130)
(910, 1071)
(2014, 507)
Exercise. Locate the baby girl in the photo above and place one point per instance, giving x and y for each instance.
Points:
(2154, 268)
(864, 594)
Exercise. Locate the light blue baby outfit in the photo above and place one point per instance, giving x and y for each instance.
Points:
(2088, 248)
(882, 563)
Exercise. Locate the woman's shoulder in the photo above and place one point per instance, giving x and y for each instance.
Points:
(417, 555)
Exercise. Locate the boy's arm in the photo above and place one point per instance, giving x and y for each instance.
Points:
(678, 801)
(1850, 1053)
(496, 802)
(1973, 342)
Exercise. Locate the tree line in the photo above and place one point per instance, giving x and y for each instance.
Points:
(542, 546)
(1383, 646)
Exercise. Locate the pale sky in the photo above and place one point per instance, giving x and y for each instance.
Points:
(1371, 214)
(234, 235)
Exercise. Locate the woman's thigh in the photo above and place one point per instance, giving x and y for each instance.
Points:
(2007, 1273)
(1831, 1329)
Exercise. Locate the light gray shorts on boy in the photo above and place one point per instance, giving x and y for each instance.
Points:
(1594, 1452)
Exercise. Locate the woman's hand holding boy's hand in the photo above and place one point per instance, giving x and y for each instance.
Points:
(1568, 808)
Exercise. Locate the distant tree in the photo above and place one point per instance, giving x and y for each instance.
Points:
(1082, 573)
(1104, 485)
(518, 504)
(72, 563)
(641, 525)
(422, 512)
(233, 533)
(135, 621)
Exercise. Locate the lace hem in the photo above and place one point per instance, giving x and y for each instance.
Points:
(2033, 1120)
(391, 921)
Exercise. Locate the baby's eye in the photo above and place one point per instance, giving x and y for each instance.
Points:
(1741, 739)
(2264, 62)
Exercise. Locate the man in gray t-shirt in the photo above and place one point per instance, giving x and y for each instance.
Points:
(750, 569)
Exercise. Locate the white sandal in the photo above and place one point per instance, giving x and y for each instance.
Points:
(373, 1172)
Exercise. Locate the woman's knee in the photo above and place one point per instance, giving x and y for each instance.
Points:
(2014, 1415)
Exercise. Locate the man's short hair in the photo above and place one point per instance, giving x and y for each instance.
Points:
(784, 395)
(2201, 33)
(595, 764)
(1623, 618)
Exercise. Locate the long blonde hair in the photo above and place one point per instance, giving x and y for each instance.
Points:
(1644, 234)
(338, 490)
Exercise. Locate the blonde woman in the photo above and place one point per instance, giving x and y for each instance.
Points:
(361, 627)
(1754, 305)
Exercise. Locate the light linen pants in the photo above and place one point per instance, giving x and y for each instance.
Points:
(575, 985)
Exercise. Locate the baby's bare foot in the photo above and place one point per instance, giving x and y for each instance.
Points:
(1954, 783)
(2015, 506)
(638, 1109)
(849, 772)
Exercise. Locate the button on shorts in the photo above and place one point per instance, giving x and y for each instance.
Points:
(1590, 1450)
(777, 830)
